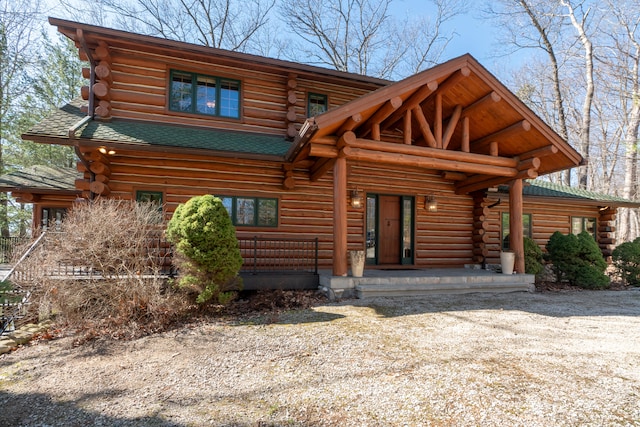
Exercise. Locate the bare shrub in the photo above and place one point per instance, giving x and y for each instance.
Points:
(99, 274)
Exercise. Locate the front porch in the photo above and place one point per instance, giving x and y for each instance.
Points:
(418, 282)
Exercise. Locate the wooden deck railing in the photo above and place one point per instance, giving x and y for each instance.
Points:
(284, 256)
(7, 246)
(260, 255)
(279, 255)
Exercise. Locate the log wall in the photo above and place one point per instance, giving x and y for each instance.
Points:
(272, 101)
(464, 230)
(443, 238)
(547, 217)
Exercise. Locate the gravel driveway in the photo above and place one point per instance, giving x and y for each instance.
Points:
(522, 359)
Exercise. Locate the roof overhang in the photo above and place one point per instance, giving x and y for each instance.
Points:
(40, 180)
(548, 192)
(456, 118)
(124, 135)
(92, 34)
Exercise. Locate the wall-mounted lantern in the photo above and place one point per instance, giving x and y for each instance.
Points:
(356, 199)
(430, 203)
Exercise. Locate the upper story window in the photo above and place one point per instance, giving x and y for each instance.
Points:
(200, 94)
(317, 104)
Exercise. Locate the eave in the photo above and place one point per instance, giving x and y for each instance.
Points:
(92, 34)
(124, 135)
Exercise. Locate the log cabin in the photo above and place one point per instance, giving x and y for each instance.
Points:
(404, 171)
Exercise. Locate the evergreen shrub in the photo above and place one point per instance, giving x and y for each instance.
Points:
(578, 260)
(533, 259)
(208, 254)
(626, 258)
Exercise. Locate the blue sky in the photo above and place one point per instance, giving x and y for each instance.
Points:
(474, 35)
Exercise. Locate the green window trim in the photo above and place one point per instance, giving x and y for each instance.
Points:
(251, 211)
(581, 223)
(155, 197)
(527, 228)
(210, 95)
(317, 103)
(149, 196)
(407, 216)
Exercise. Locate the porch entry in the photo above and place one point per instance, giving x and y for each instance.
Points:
(389, 229)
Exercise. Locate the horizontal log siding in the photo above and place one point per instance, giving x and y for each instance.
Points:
(337, 94)
(443, 238)
(140, 82)
(547, 217)
(305, 212)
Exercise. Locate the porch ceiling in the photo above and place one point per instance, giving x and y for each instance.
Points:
(455, 117)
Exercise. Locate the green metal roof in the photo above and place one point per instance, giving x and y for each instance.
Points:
(539, 188)
(39, 177)
(148, 134)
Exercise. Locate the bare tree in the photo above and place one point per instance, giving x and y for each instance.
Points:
(593, 54)
(18, 24)
(622, 59)
(226, 24)
(580, 24)
(361, 36)
(536, 25)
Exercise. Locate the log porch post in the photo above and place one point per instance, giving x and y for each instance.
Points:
(516, 237)
(340, 216)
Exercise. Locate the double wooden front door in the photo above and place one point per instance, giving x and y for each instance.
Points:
(389, 229)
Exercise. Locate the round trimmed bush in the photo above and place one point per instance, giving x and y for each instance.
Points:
(208, 254)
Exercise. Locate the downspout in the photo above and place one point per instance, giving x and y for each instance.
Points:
(90, 112)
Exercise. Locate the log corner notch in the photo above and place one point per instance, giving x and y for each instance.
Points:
(26, 197)
(289, 182)
(98, 92)
(96, 177)
(292, 100)
(480, 227)
(606, 231)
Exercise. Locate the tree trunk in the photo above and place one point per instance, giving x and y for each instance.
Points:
(585, 125)
(630, 190)
(558, 98)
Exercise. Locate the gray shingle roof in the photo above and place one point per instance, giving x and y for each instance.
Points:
(540, 188)
(40, 177)
(148, 134)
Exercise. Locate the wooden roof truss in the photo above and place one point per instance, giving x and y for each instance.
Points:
(455, 118)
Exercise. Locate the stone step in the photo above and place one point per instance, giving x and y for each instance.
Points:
(423, 282)
(415, 289)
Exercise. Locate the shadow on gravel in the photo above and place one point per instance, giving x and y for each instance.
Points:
(553, 304)
(38, 410)
(35, 409)
(296, 317)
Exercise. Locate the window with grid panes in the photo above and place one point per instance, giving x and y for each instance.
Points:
(201, 94)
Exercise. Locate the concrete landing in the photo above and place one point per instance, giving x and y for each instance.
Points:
(376, 283)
